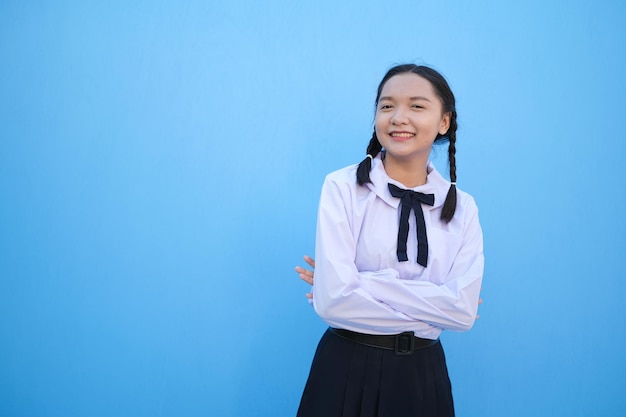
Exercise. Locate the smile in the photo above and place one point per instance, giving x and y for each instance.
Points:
(401, 134)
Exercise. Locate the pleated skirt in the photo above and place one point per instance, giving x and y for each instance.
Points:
(348, 379)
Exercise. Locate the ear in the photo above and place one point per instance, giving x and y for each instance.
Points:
(445, 123)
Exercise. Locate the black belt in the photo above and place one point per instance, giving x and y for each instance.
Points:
(402, 344)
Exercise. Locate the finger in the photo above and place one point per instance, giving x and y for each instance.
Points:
(301, 270)
(480, 301)
(309, 260)
(306, 278)
(309, 295)
(305, 274)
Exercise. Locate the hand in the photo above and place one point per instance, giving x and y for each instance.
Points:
(306, 275)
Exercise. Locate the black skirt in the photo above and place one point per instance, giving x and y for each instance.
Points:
(348, 379)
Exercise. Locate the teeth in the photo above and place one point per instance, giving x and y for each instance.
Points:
(402, 135)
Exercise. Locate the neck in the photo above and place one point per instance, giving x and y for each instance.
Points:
(410, 172)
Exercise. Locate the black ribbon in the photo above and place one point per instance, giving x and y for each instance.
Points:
(412, 200)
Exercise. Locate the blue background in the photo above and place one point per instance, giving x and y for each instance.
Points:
(160, 167)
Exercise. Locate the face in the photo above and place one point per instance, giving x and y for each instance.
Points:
(409, 115)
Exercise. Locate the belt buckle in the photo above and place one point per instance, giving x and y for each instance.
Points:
(399, 347)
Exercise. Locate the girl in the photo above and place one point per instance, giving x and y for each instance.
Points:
(399, 258)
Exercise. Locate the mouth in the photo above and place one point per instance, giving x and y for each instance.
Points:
(401, 135)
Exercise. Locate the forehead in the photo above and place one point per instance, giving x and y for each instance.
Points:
(408, 85)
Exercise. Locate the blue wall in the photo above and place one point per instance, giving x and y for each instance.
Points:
(160, 165)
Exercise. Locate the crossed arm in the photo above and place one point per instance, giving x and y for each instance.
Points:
(307, 275)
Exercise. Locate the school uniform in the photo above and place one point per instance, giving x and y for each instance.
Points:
(372, 281)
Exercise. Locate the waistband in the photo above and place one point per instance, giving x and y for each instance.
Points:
(402, 344)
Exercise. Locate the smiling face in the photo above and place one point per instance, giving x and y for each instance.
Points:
(409, 116)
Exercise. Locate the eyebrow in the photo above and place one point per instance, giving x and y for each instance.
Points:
(416, 98)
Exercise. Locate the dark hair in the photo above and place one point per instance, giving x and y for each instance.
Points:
(442, 89)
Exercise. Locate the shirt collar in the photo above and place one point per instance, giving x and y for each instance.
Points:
(435, 184)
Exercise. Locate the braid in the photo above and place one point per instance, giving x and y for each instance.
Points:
(449, 206)
(364, 168)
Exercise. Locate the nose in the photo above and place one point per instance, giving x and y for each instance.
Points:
(399, 116)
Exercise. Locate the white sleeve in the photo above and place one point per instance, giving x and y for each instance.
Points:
(452, 305)
(338, 295)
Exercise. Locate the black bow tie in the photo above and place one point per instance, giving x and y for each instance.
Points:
(412, 200)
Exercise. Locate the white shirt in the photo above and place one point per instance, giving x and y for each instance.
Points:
(359, 283)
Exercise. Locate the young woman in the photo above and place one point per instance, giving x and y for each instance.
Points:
(399, 258)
